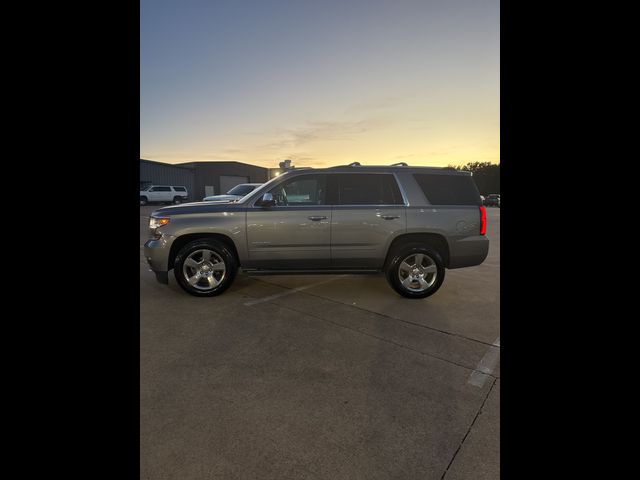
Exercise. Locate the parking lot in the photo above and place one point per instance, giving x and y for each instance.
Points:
(321, 377)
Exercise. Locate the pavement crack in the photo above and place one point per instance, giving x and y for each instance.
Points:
(389, 317)
(469, 429)
(347, 327)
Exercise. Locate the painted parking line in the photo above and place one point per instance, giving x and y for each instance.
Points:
(290, 292)
(486, 365)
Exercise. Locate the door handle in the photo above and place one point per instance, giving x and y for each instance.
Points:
(316, 218)
(388, 217)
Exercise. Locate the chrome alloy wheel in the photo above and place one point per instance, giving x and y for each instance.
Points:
(417, 272)
(204, 269)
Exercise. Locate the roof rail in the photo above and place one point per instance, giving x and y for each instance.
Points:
(399, 164)
(354, 164)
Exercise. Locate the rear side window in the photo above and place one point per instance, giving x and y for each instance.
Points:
(368, 189)
(161, 189)
(180, 189)
(448, 189)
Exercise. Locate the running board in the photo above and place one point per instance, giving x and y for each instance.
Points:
(261, 271)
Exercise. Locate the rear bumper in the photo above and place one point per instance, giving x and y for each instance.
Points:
(468, 251)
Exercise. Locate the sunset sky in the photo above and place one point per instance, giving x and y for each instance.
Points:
(321, 82)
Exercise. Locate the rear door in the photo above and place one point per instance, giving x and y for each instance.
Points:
(368, 210)
(180, 192)
(295, 233)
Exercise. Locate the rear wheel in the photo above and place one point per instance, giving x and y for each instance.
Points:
(177, 200)
(205, 268)
(415, 270)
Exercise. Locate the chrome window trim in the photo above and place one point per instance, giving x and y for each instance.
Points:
(371, 205)
(395, 177)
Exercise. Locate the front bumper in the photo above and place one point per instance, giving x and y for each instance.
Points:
(156, 252)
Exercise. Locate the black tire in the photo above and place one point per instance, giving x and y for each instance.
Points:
(143, 201)
(430, 258)
(218, 252)
(177, 200)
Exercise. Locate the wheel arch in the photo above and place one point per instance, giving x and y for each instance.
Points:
(434, 240)
(182, 240)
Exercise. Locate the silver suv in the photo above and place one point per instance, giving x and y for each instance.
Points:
(408, 222)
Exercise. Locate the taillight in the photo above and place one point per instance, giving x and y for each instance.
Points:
(483, 220)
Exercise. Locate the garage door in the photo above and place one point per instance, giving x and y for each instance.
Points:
(227, 182)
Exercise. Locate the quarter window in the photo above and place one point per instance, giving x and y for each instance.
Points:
(448, 189)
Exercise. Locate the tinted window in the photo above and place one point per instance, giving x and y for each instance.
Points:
(368, 189)
(448, 189)
(180, 189)
(303, 190)
(161, 189)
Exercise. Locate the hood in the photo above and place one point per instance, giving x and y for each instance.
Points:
(196, 207)
(221, 198)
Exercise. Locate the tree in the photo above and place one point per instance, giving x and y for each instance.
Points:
(485, 174)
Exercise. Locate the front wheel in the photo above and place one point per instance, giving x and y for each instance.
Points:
(415, 271)
(205, 268)
(143, 201)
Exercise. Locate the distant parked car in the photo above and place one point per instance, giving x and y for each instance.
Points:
(482, 199)
(236, 193)
(163, 194)
(492, 200)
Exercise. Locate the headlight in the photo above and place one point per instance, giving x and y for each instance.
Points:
(155, 223)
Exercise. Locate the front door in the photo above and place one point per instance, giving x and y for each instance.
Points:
(296, 232)
(159, 194)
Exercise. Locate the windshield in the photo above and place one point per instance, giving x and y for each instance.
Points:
(241, 190)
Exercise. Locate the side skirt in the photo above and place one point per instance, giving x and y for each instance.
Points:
(261, 271)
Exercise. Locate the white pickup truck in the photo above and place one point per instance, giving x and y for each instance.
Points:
(164, 194)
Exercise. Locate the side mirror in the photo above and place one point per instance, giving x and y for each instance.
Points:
(266, 200)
